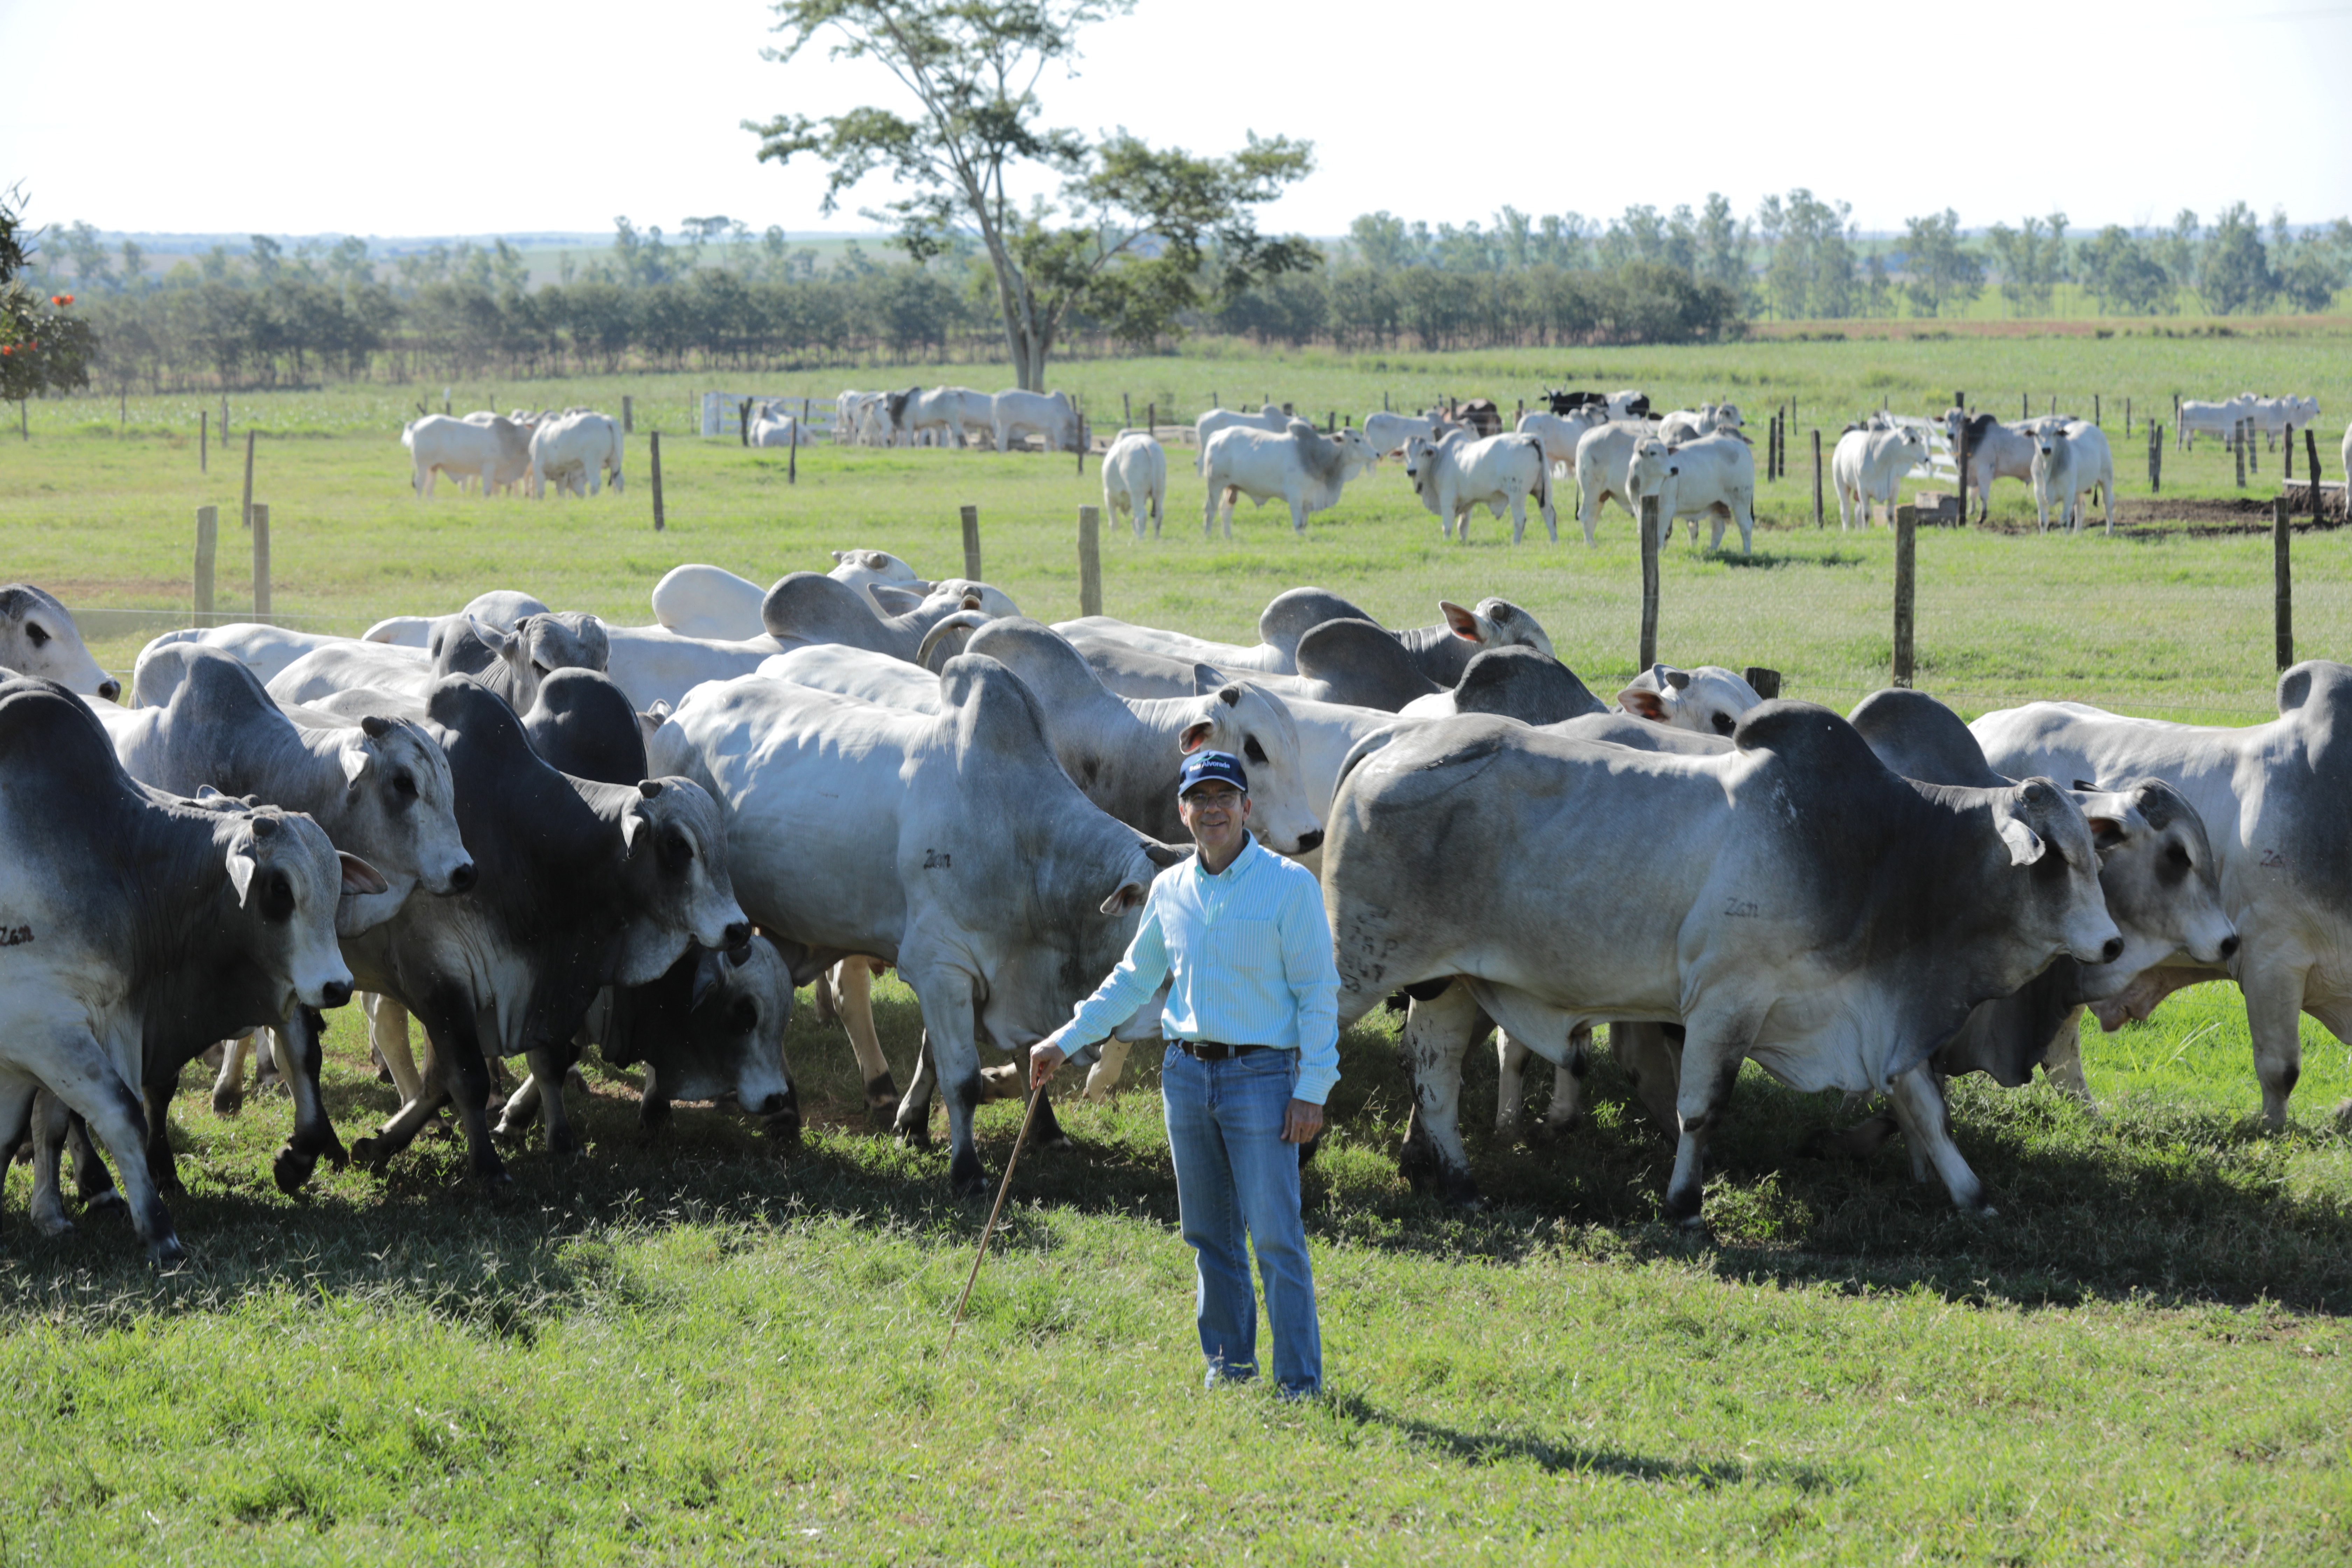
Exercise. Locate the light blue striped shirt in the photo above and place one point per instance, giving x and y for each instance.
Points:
(1247, 956)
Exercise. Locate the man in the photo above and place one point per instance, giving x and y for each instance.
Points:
(1252, 1019)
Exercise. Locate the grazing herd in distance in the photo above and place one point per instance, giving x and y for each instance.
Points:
(534, 832)
(1697, 462)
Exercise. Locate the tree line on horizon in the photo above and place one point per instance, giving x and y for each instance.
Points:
(719, 295)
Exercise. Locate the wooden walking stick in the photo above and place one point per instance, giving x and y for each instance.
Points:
(988, 1230)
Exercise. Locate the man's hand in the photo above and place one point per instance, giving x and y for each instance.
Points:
(1301, 1122)
(1044, 1059)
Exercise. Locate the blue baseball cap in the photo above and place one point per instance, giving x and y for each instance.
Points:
(1202, 767)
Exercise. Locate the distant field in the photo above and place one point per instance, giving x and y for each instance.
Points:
(714, 1349)
(2174, 616)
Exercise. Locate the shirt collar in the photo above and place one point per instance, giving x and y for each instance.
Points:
(1239, 862)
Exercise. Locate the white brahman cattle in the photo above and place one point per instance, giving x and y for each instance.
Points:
(1270, 418)
(1714, 476)
(496, 452)
(1135, 479)
(1306, 470)
(1459, 472)
(575, 449)
(2054, 482)
(1019, 415)
(1870, 466)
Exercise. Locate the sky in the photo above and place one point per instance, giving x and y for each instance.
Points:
(446, 117)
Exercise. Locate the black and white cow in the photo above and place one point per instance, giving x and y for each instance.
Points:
(1810, 910)
(135, 927)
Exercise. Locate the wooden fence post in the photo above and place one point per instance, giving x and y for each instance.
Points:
(1764, 682)
(207, 543)
(1649, 580)
(2253, 450)
(2155, 458)
(1151, 419)
(223, 419)
(1960, 460)
(2127, 412)
(653, 443)
(244, 510)
(1818, 519)
(261, 514)
(972, 543)
(1090, 561)
(1907, 540)
(628, 413)
(2310, 461)
(743, 422)
(2025, 406)
(204, 440)
(793, 456)
(2281, 580)
(1082, 446)
(2287, 463)
(2238, 446)
(2102, 424)
(1125, 412)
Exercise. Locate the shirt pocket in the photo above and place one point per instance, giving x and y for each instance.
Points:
(1240, 947)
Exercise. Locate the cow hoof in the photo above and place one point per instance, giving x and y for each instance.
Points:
(227, 1101)
(511, 1135)
(291, 1169)
(165, 1252)
(106, 1200)
(784, 1129)
(916, 1135)
(53, 1226)
(972, 1187)
(881, 1093)
(1059, 1141)
(168, 1181)
(371, 1152)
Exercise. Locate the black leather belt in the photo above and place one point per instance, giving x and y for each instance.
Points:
(1214, 1050)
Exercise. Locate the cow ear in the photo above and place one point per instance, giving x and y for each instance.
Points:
(1166, 855)
(359, 877)
(632, 828)
(1642, 703)
(1194, 736)
(2025, 845)
(2106, 833)
(241, 867)
(492, 638)
(1464, 622)
(1130, 896)
(1678, 679)
(375, 727)
(356, 759)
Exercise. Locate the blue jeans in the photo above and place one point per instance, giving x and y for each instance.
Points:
(1234, 1173)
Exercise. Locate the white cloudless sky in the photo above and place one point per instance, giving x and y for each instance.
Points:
(441, 117)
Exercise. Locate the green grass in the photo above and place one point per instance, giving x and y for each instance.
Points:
(714, 1348)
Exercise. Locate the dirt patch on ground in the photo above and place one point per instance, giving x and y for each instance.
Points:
(1900, 328)
(2195, 518)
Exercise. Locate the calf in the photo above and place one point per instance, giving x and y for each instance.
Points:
(1870, 466)
(2053, 478)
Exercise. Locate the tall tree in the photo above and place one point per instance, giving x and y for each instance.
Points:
(2237, 273)
(1141, 234)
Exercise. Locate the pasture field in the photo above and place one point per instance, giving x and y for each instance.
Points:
(716, 1348)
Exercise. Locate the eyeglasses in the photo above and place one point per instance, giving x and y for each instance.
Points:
(1224, 799)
